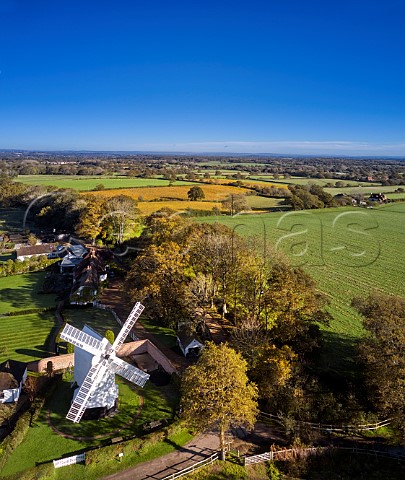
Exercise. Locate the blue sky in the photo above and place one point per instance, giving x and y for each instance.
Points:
(291, 76)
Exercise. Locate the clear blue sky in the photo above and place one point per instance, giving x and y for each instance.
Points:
(298, 76)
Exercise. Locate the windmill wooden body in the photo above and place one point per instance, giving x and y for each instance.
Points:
(97, 385)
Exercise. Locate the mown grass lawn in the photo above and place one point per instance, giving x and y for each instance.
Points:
(24, 337)
(166, 336)
(21, 292)
(98, 320)
(159, 403)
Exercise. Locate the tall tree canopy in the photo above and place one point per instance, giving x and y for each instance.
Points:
(216, 391)
(383, 353)
(195, 193)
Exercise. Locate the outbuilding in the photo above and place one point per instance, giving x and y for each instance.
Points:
(189, 345)
(12, 378)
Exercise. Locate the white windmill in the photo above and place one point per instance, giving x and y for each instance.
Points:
(104, 363)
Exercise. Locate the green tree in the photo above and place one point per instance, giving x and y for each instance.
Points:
(383, 353)
(195, 193)
(109, 335)
(70, 348)
(216, 392)
(235, 204)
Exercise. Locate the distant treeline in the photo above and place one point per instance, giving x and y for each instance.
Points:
(386, 171)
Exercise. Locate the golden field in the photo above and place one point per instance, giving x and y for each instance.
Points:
(213, 193)
(146, 208)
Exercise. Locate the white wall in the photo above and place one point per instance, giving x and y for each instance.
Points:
(10, 395)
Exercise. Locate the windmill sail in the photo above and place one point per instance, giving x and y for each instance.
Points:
(130, 372)
(127, 327)
(82, 340)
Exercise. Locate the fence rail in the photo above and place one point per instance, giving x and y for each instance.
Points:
(331, 428)
(193, 468)
(63, 462)
(300, 452)
(101, 306)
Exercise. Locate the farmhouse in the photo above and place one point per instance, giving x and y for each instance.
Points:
(34, 250)
(12, 378)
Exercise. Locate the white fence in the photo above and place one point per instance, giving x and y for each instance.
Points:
(192, 468)
(63, 462)
(302, 452)
(330, 428)
(268, 456)
(101, 306)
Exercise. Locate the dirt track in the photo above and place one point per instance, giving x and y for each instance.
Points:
(196, 450)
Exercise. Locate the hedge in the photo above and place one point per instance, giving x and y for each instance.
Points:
(28, 311)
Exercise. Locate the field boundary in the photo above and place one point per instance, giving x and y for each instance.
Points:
(288, 453)
(331, 428)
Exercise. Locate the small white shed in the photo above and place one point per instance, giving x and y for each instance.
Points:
(189, 345)
(12, 378)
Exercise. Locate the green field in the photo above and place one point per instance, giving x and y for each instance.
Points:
(257, 202)
(317, 181)
(366, 190)
(396, 196)
(345, 264)
(84, 183)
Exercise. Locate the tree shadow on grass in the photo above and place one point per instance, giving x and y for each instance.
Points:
(337, 365)
(41, 352)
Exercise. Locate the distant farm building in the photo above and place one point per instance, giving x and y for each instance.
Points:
(378, 197)
(12, 378)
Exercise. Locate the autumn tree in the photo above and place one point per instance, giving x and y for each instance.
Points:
(89, 224)
(119, 219)
(217, 253)
(195, 193)
(216, 392)
(383, 353)
(294, 308)
(158, 277)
